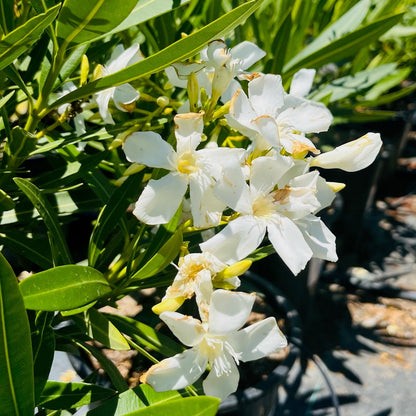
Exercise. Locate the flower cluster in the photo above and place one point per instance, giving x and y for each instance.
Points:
(244, 194)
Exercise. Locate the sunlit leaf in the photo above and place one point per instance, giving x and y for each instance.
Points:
(16, 363)
(63, 287)
(178, 51)
(22, 38)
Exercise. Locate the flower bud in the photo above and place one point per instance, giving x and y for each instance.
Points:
(352, 156)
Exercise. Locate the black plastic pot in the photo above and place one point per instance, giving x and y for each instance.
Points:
(263, 398)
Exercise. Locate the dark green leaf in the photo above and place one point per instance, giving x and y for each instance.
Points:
(129, 401)
(178, 51)
(63, 287)
(111, 215)
(161, 259)
(195, 406)
(145, 335)
(16, 363)
(100, 329)
(58, 395)
(43, 346)
(57, 240)
(22, 38)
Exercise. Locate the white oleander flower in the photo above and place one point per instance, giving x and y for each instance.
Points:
(198, 169)
(280, 119)
(351, 156)
(199, 273)
(124, 96)
(218, 341)
(281, 202)
(218, 68)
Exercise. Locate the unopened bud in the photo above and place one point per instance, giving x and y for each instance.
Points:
(162, 101)
(235, 269)
(336, 186)
(193, 92)
(85, 68)
(169, 305)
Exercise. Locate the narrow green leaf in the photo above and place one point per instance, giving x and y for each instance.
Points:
(344, 25)
(6, 201)
(131, 400)
(343, 47)
(195, 406)
(16, 363)
(178, 51)
(107, 365)
(63, 287)
(352, 84)
(161, 259)
(83, 21)
(145, 335)
(58, 395)
(146, 10)
(111, 215)
(6, 98)
(30, 248)
(22, 38)
(99, 328)
(43, 345)
(57, 239)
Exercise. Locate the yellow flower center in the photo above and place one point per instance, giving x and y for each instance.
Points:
(187, 163)
(263, 206)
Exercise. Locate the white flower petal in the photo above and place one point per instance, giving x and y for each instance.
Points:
(188, 330)
(103, 98)
(267, 127)
(203, 293)
(248, 53)
(319, 238)
(125, 95)
(206, 208)
(237, 240)
(352, 156)
(229, 93)
(302, 82)
(176, 372)
(217, 53)
(258, 340)
(121, 59)
(266, 94)
(223, 384)
(233, 190)
(160, 199)
(229, 311)
(309, 117)
(266, 172)
(289, 243)
(183, 70)
(188, 130)
(325, 195)
(241, 113)
(148, 148)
